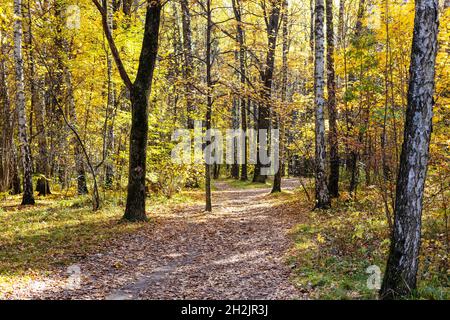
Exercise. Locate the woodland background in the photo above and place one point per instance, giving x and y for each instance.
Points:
(77, 121)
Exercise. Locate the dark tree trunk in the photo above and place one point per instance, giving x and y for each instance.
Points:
(237, 9)
(57, 91)
(77, 149)
(235, 126)
(140, 92)
(322, 195)
(340, 27)
(139, 96)
(277, 178)
(311, 29)
(216, 171)
(333, 181)
(401, 270)
(266, 75)
(135, 208)
(209, 102)
(187, 62)
(37, 105)
(352, 150)
(126, 8)
(359, 18)
(7, 150)
(15, 178)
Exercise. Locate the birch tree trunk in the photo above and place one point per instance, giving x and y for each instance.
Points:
(109, 164)
(322, 195)
(28, 197)
(401, 270)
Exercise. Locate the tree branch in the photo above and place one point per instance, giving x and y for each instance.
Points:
(123, 73)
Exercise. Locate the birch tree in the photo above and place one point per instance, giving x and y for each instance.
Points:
(401, 270)
(322, 195)
(28, 197)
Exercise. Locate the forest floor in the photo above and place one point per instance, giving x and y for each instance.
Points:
(239, 251)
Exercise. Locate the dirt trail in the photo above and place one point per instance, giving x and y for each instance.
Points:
(236, 252)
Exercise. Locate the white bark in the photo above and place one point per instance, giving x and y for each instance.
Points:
(20, 107)
(322, 196)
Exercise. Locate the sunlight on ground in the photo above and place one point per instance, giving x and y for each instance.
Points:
(60, 229)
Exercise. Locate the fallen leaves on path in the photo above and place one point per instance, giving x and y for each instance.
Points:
(235, 252)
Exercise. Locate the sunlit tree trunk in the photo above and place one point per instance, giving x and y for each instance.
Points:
(322, 195)
(401, 270)
(28, 197)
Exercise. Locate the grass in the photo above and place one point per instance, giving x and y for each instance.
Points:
(334, 248)
(239, 184)
(60, 229)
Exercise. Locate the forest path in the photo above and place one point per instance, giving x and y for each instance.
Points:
(235, 252)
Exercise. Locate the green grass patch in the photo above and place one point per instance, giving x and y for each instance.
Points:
(238, 184)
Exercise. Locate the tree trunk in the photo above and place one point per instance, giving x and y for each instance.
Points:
(209, 102)
(216, 174)
(235, 126)
(237, 9)
(322, 196)
(333, 182)
(311, 29)
(340, 28)
(266, 75)
(401, 270)
(277, 178)
(77, 150)
(109, 165)
(7, 150)
(127, 7)
(60, 137)
(140, 92)
(359, 18)
(187, 61)
(37, 105)
(28, 197)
